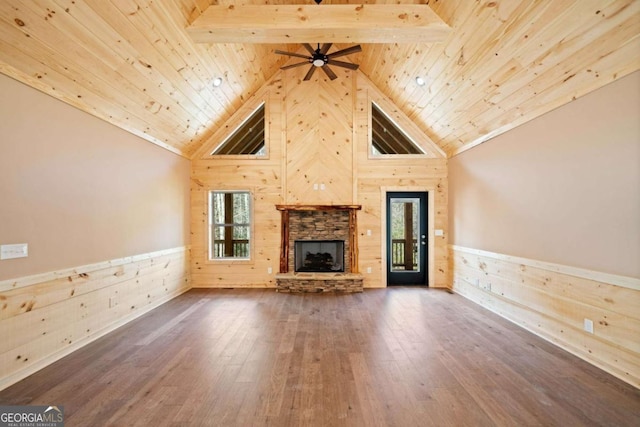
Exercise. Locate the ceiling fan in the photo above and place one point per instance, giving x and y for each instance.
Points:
(319, 58)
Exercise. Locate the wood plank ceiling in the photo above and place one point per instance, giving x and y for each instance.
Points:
(132, 63)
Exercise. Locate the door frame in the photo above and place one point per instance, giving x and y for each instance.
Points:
(430, 190)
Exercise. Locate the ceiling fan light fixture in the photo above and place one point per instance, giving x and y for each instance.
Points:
(420, 81)
(320, 58)
(217, 82)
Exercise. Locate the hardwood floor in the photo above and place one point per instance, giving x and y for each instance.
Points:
(388, 357)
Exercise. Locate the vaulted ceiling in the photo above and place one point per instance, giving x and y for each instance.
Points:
(133, 64)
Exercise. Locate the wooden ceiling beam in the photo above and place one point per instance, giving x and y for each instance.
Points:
(334, 23)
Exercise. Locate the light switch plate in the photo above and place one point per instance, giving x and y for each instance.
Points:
(19, 250)
(439, 232)
(588, 325)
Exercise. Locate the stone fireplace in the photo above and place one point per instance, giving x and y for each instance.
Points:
(319, 249)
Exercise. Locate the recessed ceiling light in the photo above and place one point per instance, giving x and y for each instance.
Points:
(420, 81)
(217, 81)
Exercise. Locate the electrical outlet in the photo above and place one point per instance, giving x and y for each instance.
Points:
(368, 232)
(369, 270)
(20, 250)
(476, 281)
(269, 270)
(112, 302)
(315, 187)
(322, 186)
(588, 325)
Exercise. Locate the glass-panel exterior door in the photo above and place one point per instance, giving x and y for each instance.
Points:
(406, 238)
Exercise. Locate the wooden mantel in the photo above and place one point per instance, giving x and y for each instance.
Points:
(353, 231)
(318, 207)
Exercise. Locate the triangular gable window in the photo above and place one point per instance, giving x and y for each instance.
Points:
(387, 137)
(248, 138)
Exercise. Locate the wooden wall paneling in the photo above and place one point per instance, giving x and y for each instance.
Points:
(402, 173)
(549, 299)
(47, 316)
(265, 232)
(357, 129)
(316, 117)
(122, 297)
(553, 301)
(618, 362)
(261, 176)
(319, 138)
(301, 114)
(26, 298)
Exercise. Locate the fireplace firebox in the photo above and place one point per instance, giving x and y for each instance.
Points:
(319, 256)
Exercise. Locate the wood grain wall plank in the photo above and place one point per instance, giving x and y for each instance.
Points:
(49, 317)
(553, 302)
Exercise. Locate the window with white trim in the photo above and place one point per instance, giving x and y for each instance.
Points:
(229, 225)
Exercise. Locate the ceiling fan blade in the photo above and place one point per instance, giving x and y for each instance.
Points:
(310, 73)
(343, 64)
(309, 48)
(347, 51)
(325, 48)
(329, 72)
(286, 67)
(297, 55)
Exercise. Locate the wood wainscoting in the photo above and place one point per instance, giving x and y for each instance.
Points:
(47, 316)
(558, 303)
